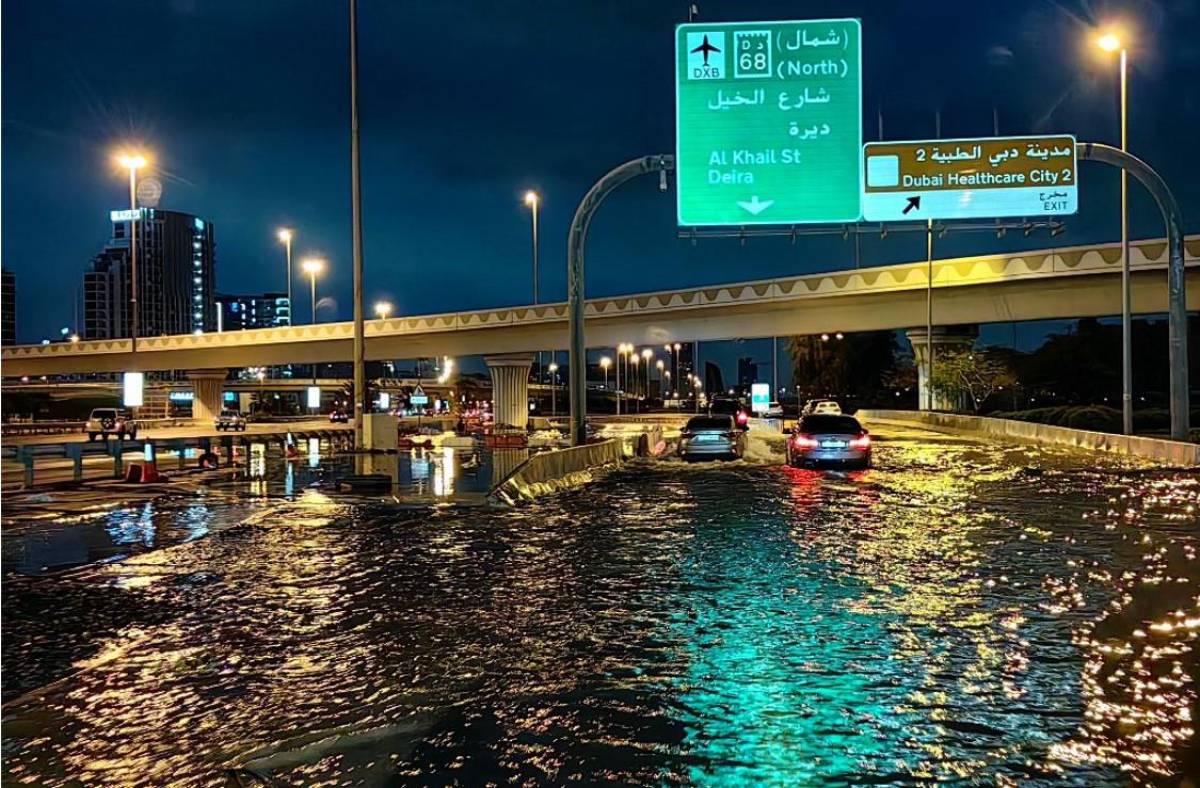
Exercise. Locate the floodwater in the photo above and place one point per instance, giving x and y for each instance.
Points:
(73, 529)
(962, 612)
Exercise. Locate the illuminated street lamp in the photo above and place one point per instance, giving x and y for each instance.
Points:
(313, 266)
(133, 162)
(383, 309)
(622, 356)
(285, 237)
(661, 366)
(647, 354)
(1111, 42)
(553, 367)
(605, 363)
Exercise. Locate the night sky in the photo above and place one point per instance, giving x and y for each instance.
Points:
(466, 105)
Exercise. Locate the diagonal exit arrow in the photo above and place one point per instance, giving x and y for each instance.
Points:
(913, 202)
(756, 206)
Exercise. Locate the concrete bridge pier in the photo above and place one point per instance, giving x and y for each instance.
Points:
(208, 386)
(944, 338)
(510, 388)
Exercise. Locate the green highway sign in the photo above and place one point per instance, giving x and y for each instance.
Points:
(768, 122)
(970, 178)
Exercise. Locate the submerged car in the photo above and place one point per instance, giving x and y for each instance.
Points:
(712, 437)
(828, 440)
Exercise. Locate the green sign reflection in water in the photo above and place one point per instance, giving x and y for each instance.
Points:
(768, 122)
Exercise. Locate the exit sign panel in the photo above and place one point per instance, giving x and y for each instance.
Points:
(768, 122)
(970, 178)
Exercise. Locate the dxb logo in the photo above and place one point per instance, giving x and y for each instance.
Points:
(706, 55)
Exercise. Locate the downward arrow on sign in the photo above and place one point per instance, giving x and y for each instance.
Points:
(756, 206)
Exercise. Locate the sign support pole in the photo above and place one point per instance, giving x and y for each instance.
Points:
(1176, 275)
(929, 314)
(576, 241)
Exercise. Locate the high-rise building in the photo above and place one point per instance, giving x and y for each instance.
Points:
(8, 308)
(261, 310)
(176, 272)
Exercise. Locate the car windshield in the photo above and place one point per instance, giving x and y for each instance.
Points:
(104, 413)
(725, 406)
(702, 423)
(232, 414)
(830, 425)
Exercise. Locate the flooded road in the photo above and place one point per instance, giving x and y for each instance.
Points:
(963, 611)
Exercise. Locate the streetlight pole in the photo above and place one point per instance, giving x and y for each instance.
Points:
(133, 163)
(285, 235)
(553, 368)
(361, 395)
(633, 359)
(532, 200)
(1111, 42)
(1126, 295)
(133, 268)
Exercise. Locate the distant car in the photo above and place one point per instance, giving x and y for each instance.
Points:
(774, 411)
(110, 421)
(827, 439)
(828, 407)
(709, 437)
(339, 417)
(730, 406)
(231, 420)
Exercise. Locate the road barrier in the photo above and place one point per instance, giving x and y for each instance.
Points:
(550, 471)
(1160, 450)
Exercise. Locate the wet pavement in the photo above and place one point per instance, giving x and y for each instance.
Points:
(988, 614)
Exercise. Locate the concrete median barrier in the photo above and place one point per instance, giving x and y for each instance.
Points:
(1169, 452)
(551, 471)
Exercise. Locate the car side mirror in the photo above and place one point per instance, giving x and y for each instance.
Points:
(866, 431)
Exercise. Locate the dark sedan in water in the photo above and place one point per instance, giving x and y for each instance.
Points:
(711, 437)
(827, 440)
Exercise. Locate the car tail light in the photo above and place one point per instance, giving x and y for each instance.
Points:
(742, 417)
(861, 442)
(804, 442)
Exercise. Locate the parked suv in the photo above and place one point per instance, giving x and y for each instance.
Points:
(230, 420)
(110, 421)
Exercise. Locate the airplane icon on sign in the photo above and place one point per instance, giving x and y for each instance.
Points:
(705, 48)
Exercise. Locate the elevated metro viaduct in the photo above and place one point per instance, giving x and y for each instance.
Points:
(1060, 283)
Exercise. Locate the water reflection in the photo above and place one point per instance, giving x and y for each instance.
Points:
(961, 613)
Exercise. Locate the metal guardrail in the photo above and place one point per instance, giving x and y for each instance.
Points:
(40, 427)
(14, 428)
(76, 451)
